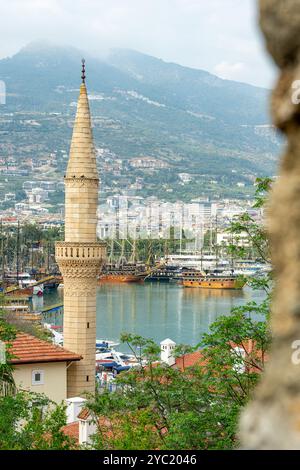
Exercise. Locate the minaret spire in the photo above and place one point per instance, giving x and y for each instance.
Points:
(83, 70)
(82, 161)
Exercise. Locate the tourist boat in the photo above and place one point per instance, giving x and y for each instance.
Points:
(19, 291)
(25, 285)
(17, 307)
(196, 261)
(104, 344)
(251, 268)
(16, 304)
(163, 274)
(112, 359)
(120, 276)
(31, 284)
(125, 273)
(197, 279)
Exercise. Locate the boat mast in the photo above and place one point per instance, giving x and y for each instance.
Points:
(111, 254)
(133, 254)
(211, 236)
(18, 250)
(201, 260)
(48, 257)
(232, 264)
(216, 241)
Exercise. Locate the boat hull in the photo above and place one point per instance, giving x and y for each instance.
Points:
(20, 291)
(214, 283)
(120, 278)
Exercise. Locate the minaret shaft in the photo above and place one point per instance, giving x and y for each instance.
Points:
(80, 255)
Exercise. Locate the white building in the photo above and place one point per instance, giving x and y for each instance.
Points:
(167, 348)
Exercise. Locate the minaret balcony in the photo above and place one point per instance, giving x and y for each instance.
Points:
(80, 259)
(80, 250)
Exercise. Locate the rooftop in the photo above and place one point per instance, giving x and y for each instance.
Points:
(189, 360)
(28, 349)
(72, 430)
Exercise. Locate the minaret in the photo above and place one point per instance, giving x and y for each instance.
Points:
(80, 256)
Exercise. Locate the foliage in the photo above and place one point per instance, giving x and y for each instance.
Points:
(259, 245)
(7, 334)
(31, 421)
(31, 327)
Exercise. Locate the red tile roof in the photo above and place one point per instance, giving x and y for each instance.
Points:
(249, 346)
(189, 360)
(28, 349)
(84, 414)
(72, 430)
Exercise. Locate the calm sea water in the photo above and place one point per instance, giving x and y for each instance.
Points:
(157, 311)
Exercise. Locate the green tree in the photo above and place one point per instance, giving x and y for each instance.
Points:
(7, 334)
(30, 421)
(245, 224)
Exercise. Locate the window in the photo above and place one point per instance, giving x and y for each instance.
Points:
(37, 377)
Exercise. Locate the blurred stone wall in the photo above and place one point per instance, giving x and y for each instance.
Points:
(272, 419)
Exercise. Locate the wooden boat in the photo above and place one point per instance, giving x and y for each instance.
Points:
(199, 280)
(163, 274)
(124, 273)
(120, 276)
(19, 291)
(16, 307)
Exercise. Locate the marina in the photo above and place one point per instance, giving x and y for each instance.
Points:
(153, 310)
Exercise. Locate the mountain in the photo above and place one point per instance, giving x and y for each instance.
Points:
(190, 119)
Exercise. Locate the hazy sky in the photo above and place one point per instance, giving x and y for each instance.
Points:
(220, 36)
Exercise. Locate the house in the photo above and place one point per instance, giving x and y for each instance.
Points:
(82, 423)
(40, 366)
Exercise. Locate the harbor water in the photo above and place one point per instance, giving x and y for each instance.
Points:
(156, 311)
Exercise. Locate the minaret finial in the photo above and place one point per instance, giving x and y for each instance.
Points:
(83, 70)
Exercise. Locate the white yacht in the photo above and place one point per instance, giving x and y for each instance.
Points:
(250, 267)
(200, 261)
